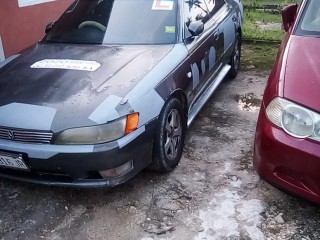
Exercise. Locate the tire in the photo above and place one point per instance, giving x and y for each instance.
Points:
(235, 57)
(169, 138)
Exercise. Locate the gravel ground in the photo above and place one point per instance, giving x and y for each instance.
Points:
(213, 194)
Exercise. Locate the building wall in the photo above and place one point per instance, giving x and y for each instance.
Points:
(23, 22)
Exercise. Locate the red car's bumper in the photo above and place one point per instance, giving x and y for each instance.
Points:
(289, 163)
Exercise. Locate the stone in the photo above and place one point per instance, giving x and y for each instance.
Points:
(279, 219)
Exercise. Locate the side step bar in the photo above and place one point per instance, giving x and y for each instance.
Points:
(197, 106)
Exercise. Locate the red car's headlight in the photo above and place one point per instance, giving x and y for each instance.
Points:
(296, 120)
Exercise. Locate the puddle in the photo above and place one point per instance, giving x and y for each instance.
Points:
(248, 102)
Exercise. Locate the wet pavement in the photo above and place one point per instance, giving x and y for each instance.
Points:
(214, 193)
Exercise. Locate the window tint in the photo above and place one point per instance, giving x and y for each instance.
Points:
(117, 22)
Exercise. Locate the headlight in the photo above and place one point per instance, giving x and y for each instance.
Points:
(317, 129)
(99, 134)
(296, 120)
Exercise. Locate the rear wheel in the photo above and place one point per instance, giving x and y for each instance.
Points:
(169, 139)
(235, 57)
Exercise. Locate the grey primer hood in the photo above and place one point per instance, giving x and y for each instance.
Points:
(36, 95)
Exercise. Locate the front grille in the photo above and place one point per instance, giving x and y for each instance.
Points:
(25, 135)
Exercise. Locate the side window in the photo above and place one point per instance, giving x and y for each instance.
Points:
(200, 10)
(214, 5)
(195, 10)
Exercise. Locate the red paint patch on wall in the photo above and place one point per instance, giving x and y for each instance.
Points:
(21, 27)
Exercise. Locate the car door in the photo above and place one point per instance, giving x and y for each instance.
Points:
(206, 49)
(229, 19)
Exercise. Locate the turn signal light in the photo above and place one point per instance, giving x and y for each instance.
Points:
(132, 123)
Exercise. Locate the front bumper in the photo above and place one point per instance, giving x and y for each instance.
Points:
(288, 163)
(79, 166)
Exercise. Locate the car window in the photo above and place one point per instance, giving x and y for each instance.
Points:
(309, 23)
(214, 5)
(200, 10)
(196, 10)
(117, 22)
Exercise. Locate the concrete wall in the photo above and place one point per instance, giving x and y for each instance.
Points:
(22, 22)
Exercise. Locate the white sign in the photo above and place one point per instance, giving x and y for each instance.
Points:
(25, 3)
(68, 64)
(162, 5)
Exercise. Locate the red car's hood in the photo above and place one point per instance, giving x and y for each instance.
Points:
(302, 72)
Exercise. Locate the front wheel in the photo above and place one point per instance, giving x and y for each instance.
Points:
(235, 57)
(169, 138)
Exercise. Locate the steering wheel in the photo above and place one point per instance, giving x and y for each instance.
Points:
(92, 24)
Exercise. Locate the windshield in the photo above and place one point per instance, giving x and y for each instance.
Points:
(117, 22)
(309, 23)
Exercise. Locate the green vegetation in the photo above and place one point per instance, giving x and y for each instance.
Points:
(256, 20)
(264, 16)
(258, 55)
(268, 2)
(263, 29)
(263, 22)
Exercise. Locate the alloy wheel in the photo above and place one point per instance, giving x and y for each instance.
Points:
(173, 134)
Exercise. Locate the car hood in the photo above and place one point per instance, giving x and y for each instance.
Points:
(35, 85)
(302, 72)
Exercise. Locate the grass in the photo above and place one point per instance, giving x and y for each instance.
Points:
(261, 55)
(264, 16)
(258, 55)
(268, 2)
(254, 18)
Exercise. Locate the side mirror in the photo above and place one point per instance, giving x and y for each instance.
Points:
(288, 16)
(49, 27)
(196, 28)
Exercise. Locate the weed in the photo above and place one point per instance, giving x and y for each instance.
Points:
(259, 55)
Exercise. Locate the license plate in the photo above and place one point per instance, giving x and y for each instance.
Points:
(12, 161)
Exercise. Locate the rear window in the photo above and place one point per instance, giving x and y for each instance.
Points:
(117, 22)
(309, 23)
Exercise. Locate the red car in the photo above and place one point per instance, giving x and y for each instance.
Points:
(287, 141)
